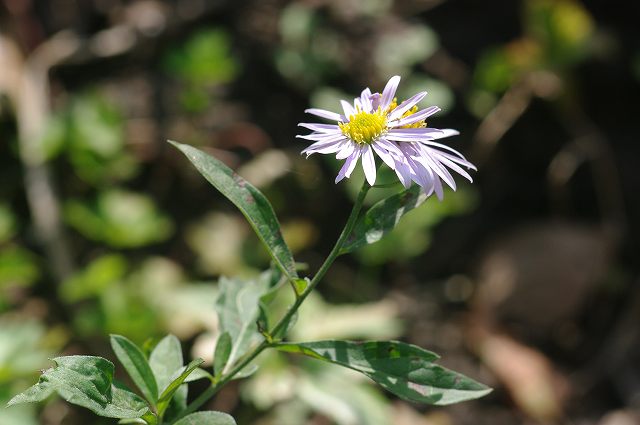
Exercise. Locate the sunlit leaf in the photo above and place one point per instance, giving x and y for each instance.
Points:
(251, 202)
(136, 366)
(406, 370)
(165, 360)
(88, 382)
(238, 310)
(222, 353)
(175, 385)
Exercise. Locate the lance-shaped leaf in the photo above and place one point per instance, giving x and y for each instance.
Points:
(251, 202)
(136, 366)
(238, 310)
(207, 418)
(381, 218)
(165, 360)
(222, 353)
(86, 381)
(175, 385)
(403, 369)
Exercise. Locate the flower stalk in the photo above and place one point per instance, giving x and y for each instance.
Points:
(291, 311)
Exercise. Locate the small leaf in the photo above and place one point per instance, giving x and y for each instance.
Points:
(238, 309)
(136, 366)
(251, 202)
(383, 217)
(175, 384)
(207, 418)
(246, 372)
(198, 374)
(403, 369)
(222, 352)
(86, 381)
(300, 285)
(165, 360)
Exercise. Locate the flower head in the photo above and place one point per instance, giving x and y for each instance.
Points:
(397, 133)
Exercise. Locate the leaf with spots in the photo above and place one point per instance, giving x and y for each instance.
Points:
(86, 381)
(406, 370)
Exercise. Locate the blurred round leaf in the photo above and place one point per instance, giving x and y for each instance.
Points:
(205, 59)
(119, 218)
(95, 278)
(7, 223)
(18, 267)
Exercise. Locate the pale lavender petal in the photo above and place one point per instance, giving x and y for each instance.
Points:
(418, 116)
(320, 137)
(346, 150)
(349, 165)
(369, 165)
(458, 160)
(425, 158)
(441, 146)
(357, 104)
(384, 155)
(323, 147)
(402, 135)
(425, 178)
(389, 92)
(422, 131)
(437, 185)
(366, 101)
(375, 101)
(455, 167)
(348, 109)
(391, 147)
(322, 128)
(446, 132)
(406, 105)
(326, 114)
(403, 171)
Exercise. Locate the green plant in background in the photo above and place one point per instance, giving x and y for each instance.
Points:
(201, 64)
(557, 35)
(250, 312)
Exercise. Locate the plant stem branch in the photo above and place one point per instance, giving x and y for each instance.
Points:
(282, 323)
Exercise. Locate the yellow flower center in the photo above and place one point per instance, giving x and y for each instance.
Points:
(363, 127)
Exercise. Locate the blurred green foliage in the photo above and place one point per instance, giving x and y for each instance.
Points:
(203, 62)
(119, 218)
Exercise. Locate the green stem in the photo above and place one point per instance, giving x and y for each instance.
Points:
(335, 252)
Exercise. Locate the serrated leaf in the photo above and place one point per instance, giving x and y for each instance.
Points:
(174, 386)
(251, 202)
(238, 309)
(406, 370)
(381, 218)
(136, 366)
(222, 352)
(86, 381)
(207, 418)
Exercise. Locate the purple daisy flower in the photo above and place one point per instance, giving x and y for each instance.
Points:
(398, 134)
